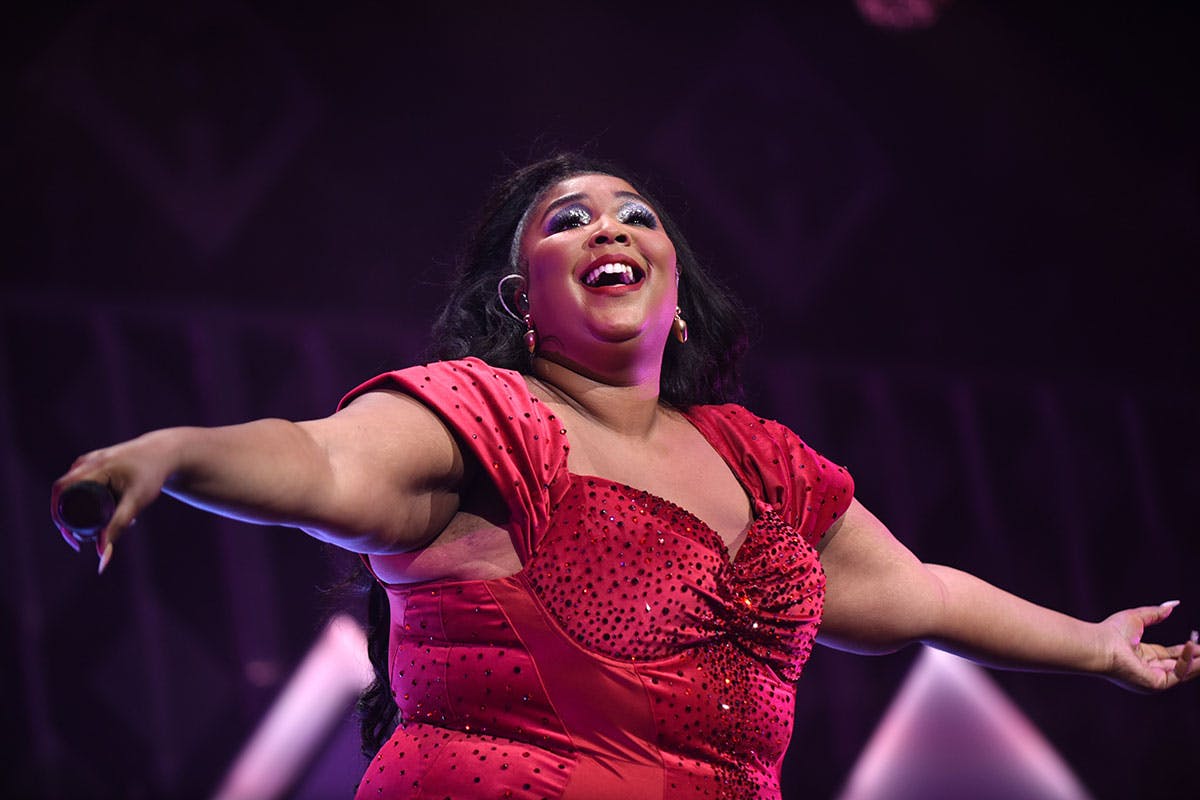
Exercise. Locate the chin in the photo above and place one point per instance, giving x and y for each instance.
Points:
(618, 331)
(618, 336)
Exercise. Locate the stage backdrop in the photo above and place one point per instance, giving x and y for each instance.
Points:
(970, 240)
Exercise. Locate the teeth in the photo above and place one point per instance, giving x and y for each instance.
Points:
(623, 270)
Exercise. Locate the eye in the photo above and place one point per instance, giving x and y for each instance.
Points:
(637, 214)
(569, 217)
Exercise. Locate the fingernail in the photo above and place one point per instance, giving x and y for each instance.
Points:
(1169, 604)
(1195, 637)
(70, 539)
(105, 557)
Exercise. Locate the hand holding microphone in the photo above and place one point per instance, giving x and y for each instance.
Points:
(99, 496)
(84, 509)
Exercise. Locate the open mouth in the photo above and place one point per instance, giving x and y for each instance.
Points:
(613, 274)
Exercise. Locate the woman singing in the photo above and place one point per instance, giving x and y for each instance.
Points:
(596, 576)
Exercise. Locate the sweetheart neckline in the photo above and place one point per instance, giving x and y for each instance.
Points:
(731, 558)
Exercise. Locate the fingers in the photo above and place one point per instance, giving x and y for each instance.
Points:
(80, 508)
(105, 557)
(1160, 612)
(1184, 664)
(1132, 622)
(1162, 666)
(122, 469)
(1182, 661)
(1160, 652)
(1151, 615)
(68, 537)
(123, 518)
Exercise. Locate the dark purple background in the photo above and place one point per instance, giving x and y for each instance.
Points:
(972, 250)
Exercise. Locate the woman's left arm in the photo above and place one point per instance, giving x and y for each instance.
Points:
(879, 597)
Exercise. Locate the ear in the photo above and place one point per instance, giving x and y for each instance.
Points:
(512, 286)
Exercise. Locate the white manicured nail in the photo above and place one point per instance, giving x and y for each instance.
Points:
(105, 557)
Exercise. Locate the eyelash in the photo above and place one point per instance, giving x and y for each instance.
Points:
(571, 217)
(637, 214)
(576, 216)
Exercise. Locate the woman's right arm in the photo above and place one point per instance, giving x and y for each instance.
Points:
(381, 475)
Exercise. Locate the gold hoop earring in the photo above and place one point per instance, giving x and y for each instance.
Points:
(679, 327)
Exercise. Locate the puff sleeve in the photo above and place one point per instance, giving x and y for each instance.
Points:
(518, 443)
(806, 489)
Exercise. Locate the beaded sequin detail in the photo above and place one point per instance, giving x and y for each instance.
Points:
(633, 577)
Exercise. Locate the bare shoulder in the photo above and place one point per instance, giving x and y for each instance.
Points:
(385, 419)
(857, 523)
(860, 540)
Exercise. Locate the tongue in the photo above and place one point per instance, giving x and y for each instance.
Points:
(611, 279)
(621, 278)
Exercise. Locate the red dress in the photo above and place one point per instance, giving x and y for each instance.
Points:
(630, 657)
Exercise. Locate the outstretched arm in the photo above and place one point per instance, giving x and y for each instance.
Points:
(880, 597)
(381, 475)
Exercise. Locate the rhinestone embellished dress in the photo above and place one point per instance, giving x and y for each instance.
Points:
(630, 657)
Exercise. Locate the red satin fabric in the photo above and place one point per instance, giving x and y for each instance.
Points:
(630, 657)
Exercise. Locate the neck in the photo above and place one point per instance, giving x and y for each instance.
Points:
(625, 403)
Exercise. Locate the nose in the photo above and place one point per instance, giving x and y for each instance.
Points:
(610, 232)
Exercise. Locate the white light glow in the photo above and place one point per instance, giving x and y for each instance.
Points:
(317, 697)
(951, 732)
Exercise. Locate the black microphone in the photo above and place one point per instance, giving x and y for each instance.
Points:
(84, 508)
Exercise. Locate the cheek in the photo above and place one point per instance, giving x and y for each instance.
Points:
(549, 273)
(664, 252)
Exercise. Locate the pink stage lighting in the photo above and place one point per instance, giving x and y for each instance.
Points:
(319, 695)
(951, 733)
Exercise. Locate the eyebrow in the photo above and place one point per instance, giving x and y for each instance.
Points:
(571, 198)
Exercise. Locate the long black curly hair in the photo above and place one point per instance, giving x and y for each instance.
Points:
(474, 323)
